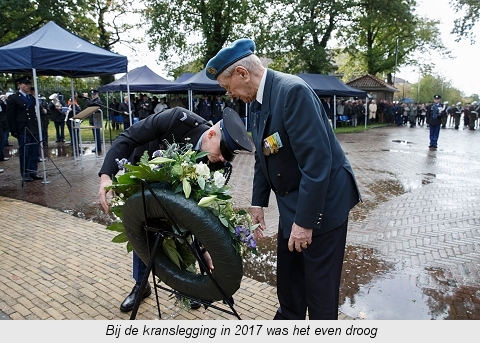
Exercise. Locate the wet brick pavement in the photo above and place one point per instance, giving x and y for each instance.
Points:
(413, 244)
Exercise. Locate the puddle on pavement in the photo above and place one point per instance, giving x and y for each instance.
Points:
(373, 289)
(263, 267)
(60, 150)
(401, 141)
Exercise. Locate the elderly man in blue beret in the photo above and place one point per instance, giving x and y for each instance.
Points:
(298, 157)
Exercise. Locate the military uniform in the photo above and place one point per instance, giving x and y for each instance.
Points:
(472, 116)
(444, 115)
(176, 125)
(434, 120)
(457, 114)
(23, 125)
(144, 108)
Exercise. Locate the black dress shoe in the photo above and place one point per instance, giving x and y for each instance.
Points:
(36, 177)
(129, 302)
(27, 179)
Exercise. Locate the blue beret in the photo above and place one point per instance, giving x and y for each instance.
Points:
(229, 55)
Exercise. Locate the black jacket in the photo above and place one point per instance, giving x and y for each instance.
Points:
(173, 125)
(21, 115)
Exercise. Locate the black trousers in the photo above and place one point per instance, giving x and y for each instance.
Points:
(311, 279)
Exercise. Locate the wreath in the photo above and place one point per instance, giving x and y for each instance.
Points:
(197, 201)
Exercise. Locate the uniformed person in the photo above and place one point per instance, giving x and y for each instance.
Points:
(23, 125)
(95, 118)
(444, 114)
(458, 114)
(222, 141)
(472, 116)
(434, 120)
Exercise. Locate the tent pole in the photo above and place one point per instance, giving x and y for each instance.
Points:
(190, 100)
(129, 100)
(39, 120)
(334, 112)
(366, 111)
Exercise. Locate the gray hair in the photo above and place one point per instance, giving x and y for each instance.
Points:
(250, 63)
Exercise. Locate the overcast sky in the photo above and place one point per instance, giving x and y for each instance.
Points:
(460, 71)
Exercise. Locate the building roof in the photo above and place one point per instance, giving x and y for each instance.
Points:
(370, 82)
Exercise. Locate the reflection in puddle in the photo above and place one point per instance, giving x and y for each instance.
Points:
(373, 289)
(263, 267)
(401, 141)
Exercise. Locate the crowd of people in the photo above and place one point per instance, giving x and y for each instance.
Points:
(209, 107)
(403, 113)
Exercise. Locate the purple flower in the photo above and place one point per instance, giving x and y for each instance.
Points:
(121, 163)
(158, 153)
(245, 236)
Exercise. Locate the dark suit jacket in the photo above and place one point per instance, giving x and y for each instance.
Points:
(21, 115)
(310, 175)
(174, 125)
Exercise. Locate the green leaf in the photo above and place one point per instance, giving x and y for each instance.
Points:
(120, 238)
(160, 160)
(223, 196)
(201, 182)
(117, 226)
(223, 219)
(171, 251)
(187, 188)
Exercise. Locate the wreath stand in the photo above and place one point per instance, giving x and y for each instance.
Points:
(155, 237)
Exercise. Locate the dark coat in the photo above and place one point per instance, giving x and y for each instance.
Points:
(21, 115)
(173, 125)
(434, 114)
(122, 108)
(310, 175)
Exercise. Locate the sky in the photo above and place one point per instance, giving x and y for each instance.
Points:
(459, 71)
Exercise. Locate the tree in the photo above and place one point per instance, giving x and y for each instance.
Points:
(189, 33)
(98, 22)
(112, 25)
(388, 33)
(300, 32)
(470, 10)
(21, 17)
(434, 84)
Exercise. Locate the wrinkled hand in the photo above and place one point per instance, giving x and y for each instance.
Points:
(258, 218)
(105, 181)
(300, 238)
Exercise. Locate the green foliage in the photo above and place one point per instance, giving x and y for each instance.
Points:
(174, 25)
(299, 31)
(470, 12)
(429, 85)
(385, 33)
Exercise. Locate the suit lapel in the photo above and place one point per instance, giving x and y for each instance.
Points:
(262, 122)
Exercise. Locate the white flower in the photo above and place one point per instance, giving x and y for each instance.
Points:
(202, 170)
(219, 179)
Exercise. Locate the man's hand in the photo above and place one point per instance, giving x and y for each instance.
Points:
(105, 181)
(208, 261)
(300, 238)
(258, 218)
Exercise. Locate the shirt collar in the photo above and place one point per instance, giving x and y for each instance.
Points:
(261, 87)
(198, 146)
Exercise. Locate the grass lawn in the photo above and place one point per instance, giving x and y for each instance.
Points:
(87, 134)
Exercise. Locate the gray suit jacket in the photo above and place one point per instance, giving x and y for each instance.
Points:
(313, 181)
